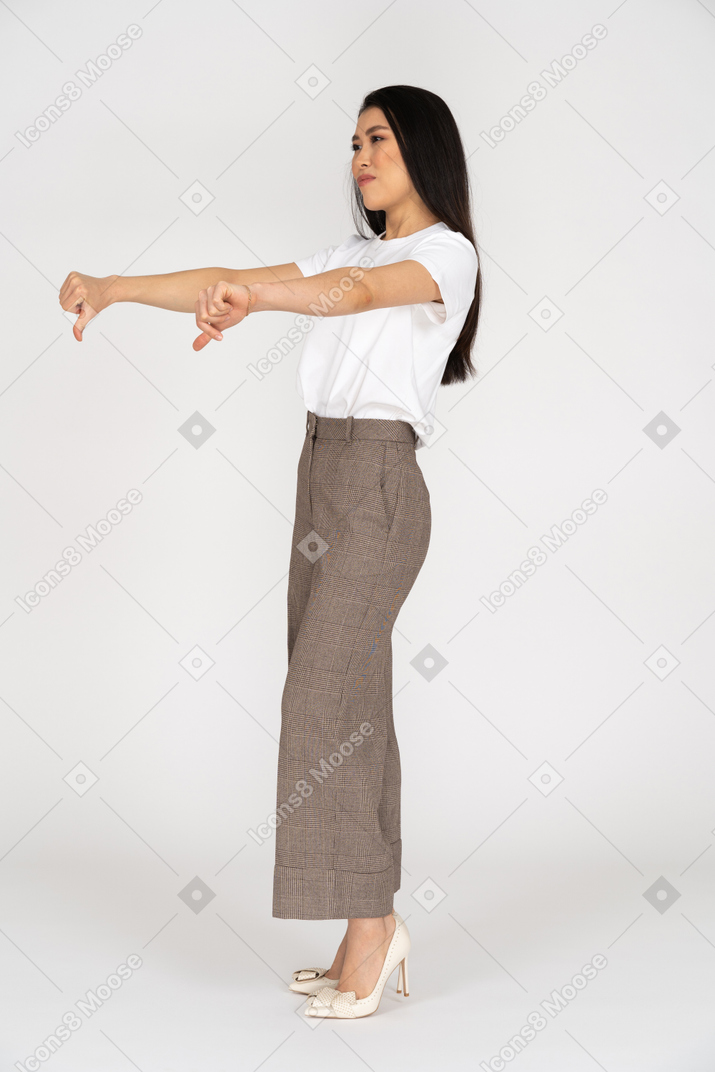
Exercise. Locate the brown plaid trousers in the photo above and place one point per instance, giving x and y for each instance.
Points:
(361, 533)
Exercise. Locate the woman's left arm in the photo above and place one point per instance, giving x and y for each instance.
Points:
(343, 291)
(339, 292)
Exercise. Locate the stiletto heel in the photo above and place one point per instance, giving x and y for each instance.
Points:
(399, 977)
(404, 977)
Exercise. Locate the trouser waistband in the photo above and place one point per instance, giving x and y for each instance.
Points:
(358, 428)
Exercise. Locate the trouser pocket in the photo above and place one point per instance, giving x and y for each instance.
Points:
(390, 481)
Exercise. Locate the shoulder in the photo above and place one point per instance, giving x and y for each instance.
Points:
(356, 242)
(449, 240)
(448, 251)
(353, 241)
(348, 250)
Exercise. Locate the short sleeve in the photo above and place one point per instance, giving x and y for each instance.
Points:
(315, 263)
(451, 260)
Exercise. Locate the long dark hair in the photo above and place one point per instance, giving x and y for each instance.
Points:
(432, 150)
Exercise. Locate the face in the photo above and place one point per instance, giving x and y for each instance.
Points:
(376, 153)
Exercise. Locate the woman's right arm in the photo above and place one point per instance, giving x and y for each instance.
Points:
(177, 291)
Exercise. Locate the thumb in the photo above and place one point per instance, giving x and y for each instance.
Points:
(224, 295)
(86, 312)
(80, 324)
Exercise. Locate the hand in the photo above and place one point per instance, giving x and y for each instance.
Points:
(86, 295)
(224, 303)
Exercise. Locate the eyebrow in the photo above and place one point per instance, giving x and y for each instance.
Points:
(371, 129)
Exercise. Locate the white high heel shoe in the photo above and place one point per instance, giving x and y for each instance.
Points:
(345, 1005)
(310, 980)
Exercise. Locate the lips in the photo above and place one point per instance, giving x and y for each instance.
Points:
(365, 178)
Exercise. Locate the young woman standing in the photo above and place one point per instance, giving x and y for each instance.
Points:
(396, 316)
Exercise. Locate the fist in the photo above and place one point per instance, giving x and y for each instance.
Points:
(221, 306)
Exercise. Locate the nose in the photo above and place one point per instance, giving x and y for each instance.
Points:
(361, 159)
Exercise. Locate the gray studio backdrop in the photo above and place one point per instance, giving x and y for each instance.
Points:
(554, 696)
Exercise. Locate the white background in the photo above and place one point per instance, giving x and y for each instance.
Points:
(527, 885)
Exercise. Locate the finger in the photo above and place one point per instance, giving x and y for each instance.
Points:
(201, 341)
(201, 305)
(219, 320)
(214, 309)
(70, 300)
(77, 327)
(71, 292)
(204, 324)
(66, 289)
(85, 313)
(214, 305)
(203, 321)
(216, 294)
(206, 311)
(82, 320)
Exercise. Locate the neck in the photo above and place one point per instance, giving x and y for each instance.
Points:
(405, 220)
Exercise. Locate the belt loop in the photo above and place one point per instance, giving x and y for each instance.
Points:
(348, 429)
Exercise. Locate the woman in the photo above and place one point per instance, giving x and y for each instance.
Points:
(395, 315)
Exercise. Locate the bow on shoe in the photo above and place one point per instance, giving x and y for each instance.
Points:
(330, 1002)
(308, 973)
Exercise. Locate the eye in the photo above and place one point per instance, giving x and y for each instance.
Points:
(374, 137)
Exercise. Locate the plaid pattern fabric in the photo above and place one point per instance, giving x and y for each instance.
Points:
(362, 529)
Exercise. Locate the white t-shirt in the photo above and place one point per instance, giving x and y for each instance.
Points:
(388, 363)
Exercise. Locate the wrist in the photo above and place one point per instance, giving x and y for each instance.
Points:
(255, 297)
(114, 290)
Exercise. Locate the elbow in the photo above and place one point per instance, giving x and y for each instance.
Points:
(365, 297)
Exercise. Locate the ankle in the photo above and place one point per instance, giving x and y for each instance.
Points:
(370, 921)
(367, 929)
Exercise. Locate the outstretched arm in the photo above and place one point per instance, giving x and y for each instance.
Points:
(342, 291)
(88, 295)
(178, 290)
(339, 292)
